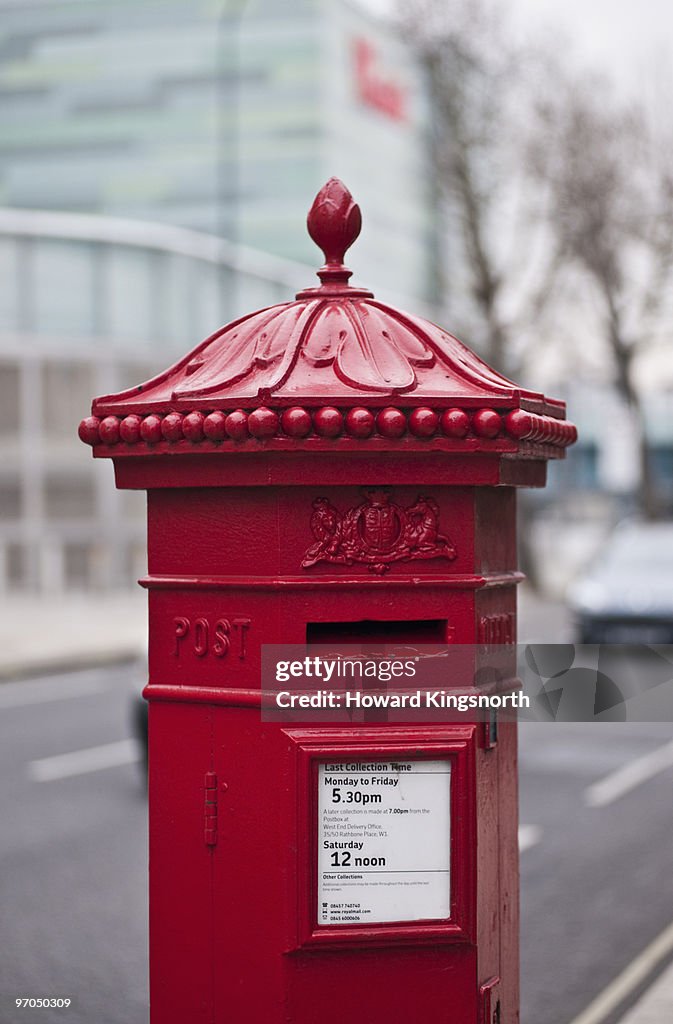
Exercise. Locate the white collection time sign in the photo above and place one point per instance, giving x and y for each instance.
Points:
(384, 839)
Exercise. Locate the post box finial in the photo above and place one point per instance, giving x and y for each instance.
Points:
(334, 222)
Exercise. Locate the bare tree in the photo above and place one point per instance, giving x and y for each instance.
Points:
(477, 79)
(561, 194)
(501, 256)
(609, 172)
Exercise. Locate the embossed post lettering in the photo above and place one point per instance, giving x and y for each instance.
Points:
(242, 625)
(181, 629)
(221, 643)
(206, 639)
(201, 637)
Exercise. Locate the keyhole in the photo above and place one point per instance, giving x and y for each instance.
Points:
(496, 1013)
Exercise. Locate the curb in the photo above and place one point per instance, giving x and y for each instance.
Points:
(60, 665)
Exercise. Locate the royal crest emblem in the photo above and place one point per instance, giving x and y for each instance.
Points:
(377, 532)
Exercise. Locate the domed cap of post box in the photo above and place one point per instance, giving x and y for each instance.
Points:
(333, 369)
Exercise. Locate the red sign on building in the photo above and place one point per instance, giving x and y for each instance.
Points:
(374, 88)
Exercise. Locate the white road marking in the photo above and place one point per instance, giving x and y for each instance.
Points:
(655, 1005)
(79, 762)
(22, 694)
(631, 977)
(529, 835)
(630, 775)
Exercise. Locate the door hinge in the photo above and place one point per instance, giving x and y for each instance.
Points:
(210, 808)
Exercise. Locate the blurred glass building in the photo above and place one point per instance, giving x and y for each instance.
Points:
(224, 116)
(156, 164)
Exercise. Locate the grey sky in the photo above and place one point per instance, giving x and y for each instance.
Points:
(623, 35)
(630, 38)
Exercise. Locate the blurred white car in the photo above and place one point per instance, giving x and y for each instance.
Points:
(626, 596)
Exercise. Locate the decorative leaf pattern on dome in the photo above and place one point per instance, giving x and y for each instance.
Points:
(265, 342)
(370, 361)
(458, 357)
(393, 330)
(231, 355)
(369, 347)
(328, 329)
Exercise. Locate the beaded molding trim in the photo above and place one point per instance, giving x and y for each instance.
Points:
(326, 422)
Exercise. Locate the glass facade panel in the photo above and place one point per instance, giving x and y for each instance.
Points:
(69, 497)
(661, 462)
(255, 294)
(578, 473)
(177, 299)
(10, 500)
(16, 566)
(67, 388)
(134, 504)
(131, 291)
(77, 566)
(206, 301)
(64, 288)
(130, 374)
(9, 400)
(9, 277)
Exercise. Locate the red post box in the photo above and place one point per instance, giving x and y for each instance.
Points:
(330, 467)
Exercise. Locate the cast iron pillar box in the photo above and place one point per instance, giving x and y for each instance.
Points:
(329, 468)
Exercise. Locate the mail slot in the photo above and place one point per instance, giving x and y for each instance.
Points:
(372, 631)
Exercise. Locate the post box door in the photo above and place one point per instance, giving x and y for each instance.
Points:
(269, 871)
